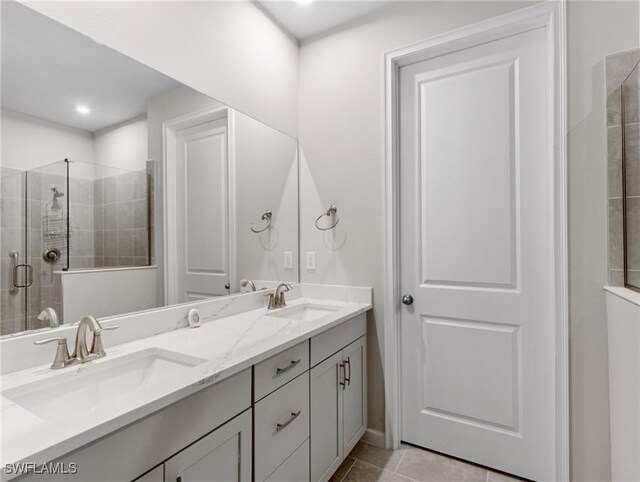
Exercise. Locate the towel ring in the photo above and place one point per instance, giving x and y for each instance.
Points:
(331, 211)
(265, 217)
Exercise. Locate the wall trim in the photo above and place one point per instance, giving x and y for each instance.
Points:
(552, 16)
(374, 437)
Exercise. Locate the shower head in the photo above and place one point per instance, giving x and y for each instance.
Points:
(56, 192)
(55, 204)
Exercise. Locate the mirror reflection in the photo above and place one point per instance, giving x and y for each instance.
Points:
(124, 190)
(630, 101)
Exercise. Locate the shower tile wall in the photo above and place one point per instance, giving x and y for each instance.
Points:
(23, 230)
(12, 305)
(109, 225)
(631, 101)
(39, 195)
(617, 67)
(121, 220)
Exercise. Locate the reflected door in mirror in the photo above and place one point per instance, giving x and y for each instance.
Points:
(203, 206)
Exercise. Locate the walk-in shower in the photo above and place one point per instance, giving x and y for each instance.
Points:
(68, 215)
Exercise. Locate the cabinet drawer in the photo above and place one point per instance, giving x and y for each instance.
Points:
(295, 468)
(280, 369)
(281, 425)
(326, 344)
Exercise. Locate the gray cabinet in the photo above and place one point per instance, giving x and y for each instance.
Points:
(279, 421)
(281, 425)
(326, 417)
(354, 394)
(338, 408)
(222, 456)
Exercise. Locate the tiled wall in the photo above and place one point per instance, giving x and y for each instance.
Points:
(631, 151)
(12, 237)
(618, 66)
(121, 220)
(19, 224)
(109, 224)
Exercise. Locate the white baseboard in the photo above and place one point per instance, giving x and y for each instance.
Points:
(373, 437)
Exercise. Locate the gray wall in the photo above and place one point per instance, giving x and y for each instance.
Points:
(342, 139)
(595, 29)
(341, 133)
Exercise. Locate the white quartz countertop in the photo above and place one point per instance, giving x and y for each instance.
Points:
(227, 346)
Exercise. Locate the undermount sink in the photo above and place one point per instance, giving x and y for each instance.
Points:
(81, 389)
(306, 312)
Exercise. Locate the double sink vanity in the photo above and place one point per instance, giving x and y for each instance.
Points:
(250, 394)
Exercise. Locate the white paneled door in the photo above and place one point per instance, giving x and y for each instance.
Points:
(202, 207)
(476, 249)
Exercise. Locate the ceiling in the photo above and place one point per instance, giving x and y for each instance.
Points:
(49, 69)
(306, 20)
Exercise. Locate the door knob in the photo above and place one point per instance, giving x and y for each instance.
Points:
(407, 299)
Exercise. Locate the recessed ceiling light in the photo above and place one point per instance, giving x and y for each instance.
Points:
(304, 2)
(83, 109)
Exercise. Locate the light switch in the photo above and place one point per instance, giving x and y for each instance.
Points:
(288, 260)
(311, 261)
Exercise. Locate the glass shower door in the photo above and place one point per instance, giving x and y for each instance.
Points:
(47, 237)
(631, 177)
(14, 276)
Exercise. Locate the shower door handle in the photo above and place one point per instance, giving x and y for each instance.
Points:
(28, 269)
(15, 255)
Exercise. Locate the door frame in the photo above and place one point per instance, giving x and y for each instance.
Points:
(170, 129)
(552, 16)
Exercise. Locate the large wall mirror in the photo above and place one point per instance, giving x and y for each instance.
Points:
(124, 190)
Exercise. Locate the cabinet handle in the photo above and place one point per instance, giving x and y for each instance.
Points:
(347, 378)
(342, 378)
(293, 363)
(294, 415)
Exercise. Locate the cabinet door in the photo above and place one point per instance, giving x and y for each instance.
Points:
(222, 456)
(326, 418)
(354, 395)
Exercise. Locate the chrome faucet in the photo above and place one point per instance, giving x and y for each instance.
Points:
(50, 315)
(82, 353)
(248, 282)
(277, 300)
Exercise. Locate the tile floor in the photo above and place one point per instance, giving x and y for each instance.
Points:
(367, 463)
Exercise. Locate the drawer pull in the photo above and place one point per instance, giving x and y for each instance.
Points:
(280, 371)
(342, 378)
(282, 426)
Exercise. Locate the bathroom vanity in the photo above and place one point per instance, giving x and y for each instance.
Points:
(158, 202)
(251, 394)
